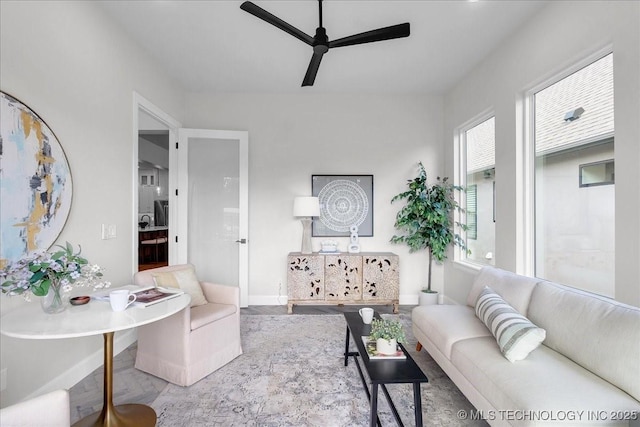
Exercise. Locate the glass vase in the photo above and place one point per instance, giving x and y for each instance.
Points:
(53, 302)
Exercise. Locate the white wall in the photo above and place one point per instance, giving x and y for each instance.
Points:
(292, 137)
(562, 34)
(68, 63)
(151, 153)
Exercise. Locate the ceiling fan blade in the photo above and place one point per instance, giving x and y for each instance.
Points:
(310, 77)
(387, 33)
(259, 12)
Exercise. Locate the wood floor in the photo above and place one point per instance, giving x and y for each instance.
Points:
(150, 265)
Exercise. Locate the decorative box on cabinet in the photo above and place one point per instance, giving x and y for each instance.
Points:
(365, 278)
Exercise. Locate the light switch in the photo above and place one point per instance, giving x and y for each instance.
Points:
(108, 231)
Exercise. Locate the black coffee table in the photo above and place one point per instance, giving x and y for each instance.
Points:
(382, 372)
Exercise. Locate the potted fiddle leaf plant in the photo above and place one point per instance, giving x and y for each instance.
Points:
(387, 333)
(425, 222)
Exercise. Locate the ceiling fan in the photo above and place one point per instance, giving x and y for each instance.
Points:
(320, 42)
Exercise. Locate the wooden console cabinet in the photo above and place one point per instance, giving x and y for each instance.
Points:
(365, 278)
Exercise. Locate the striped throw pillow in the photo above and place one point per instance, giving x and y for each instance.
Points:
(515, 334)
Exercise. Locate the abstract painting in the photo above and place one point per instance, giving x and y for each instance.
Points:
(35, 182)
(345, 201)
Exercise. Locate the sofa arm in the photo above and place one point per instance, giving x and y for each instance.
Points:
(221, 294)
(51, 409)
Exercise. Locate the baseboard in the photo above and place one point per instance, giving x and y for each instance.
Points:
(84, 367)
(268, 300)
(413, 299)
(407, 299)
(410, 299)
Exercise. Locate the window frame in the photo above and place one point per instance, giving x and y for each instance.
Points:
(460, 175)
(597, 183)
(527, 254)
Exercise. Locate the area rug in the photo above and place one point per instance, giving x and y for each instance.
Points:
(292, 373)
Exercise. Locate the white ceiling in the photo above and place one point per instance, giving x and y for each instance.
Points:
(214, 46)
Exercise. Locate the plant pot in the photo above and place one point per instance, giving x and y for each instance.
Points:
(386, 346)
(53, 301)
(428, 298)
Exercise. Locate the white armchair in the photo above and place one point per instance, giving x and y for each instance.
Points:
(48, 410)
(191, 344)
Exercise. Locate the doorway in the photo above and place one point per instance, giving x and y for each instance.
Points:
(153, 192)
(153, 168)
(216, 245)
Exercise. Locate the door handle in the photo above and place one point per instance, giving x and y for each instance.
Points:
(242, 241)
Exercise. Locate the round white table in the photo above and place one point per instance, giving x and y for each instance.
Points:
(96, 317)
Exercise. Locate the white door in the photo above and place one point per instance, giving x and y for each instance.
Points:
(212, 206)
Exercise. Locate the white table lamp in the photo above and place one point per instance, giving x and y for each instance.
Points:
(306, 207)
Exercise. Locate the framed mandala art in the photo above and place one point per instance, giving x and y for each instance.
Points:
(35, 182)
(345, 201)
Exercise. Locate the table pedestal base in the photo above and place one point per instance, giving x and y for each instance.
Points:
(120, 416)
(134, 415)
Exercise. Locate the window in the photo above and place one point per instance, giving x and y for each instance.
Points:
(147, 176)
(472, 212)
(598, 173)
(574, 217)
(477, 166)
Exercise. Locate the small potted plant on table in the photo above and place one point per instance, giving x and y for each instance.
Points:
(387, 333)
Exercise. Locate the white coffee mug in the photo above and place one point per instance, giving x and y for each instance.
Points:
(121, 299)
(366, 314)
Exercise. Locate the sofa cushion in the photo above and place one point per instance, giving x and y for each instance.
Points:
(207, 313)
(515, 334)
(446, 324)
(544, 381)
(513, 288)
(184, 279)
(598, 333)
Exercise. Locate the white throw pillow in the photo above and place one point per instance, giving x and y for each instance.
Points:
(184, 279)
(515, 334)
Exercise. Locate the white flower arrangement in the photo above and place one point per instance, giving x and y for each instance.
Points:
(37, 272)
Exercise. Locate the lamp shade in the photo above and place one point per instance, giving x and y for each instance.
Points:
(306, 206)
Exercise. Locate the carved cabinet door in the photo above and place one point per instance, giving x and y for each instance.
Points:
(305, 277)
(343, 277)
(380, 276)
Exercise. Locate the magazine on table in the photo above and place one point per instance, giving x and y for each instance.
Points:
(145, 296)
(370, 346)
(152, 295)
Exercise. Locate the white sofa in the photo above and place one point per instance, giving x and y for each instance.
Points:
(587, 370)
